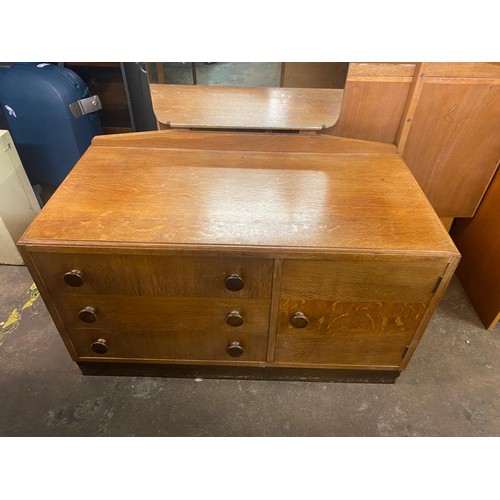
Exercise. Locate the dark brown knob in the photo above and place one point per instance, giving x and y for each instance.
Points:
(88, 314)
(234, 318)
(99, 346)
(234, 349)
(234, 282)
(74, 278)
(299, 320)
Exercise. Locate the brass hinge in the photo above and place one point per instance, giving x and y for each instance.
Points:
(438, 282)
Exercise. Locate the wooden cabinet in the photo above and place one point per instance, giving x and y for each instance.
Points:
(374, 101)
(479, 242)
(444, 118)
(258, 251)
(453, 144)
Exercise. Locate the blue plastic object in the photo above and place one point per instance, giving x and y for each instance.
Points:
(35, 99)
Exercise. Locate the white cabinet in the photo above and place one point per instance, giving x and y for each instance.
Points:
(18, 203)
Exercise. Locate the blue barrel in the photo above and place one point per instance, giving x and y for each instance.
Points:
(51, 116)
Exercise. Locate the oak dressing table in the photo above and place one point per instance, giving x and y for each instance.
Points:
(240, 255)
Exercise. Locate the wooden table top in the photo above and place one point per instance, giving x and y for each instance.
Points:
(249, 193)
(201, 106)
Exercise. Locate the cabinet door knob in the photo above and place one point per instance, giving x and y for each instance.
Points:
(73, 278)
(88, 314)
(234, 349)
(234, 282)
(99, 346)
(299, 320)
(234, 318)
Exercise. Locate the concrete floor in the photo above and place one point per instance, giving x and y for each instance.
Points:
(451, 388)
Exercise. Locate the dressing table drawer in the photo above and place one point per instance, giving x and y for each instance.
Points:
(163, 314)
(128, 274)
(228, 347)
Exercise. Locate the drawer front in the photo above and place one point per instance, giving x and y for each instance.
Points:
(166, 327)
(351, 312)
(148, 275)
(169, 345)
(163, 314)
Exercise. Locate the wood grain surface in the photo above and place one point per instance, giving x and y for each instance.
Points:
(250, 141)
(215, 199)
(381, 70)
(362, 312)
(374, 99)
(463, 69)
(372, 109)
(453, 145)
(356, 348)
(200, 106)
(318, 225)
(478, 239)
(165, 314)
(156, 275)
(330, 318)
(362, 280)
(172, 345)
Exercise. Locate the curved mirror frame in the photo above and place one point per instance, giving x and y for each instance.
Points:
(291, 96)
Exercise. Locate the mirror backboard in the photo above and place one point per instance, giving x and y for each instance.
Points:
(291, 96)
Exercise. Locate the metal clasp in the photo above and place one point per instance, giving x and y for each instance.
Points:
(85, 106)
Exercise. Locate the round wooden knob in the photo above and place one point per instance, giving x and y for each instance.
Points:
(234, 349)
(88, 314)
(234, 318)
(234, 282)
(299, 320)
(73, 278)
(99, 346)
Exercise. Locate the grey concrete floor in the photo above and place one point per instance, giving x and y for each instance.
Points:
(451, 388)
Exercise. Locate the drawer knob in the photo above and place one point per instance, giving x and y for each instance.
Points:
(299, 320)
(234, 282)
(234, 318)
(88, 314)
(234, 349)
(99, 346)
(74, 278)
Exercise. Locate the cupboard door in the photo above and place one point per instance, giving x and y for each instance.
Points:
(360, 313)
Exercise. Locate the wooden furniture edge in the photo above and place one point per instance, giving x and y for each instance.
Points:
(494, 323)
(239, 372)
(380, 71)
(274, 309)
(158, 139)
(47, 298)
(447, 275)
(410, 106)
(55, 246)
